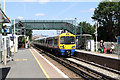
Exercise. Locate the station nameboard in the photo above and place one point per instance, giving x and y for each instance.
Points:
(119, 40)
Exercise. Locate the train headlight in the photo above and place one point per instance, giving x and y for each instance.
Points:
(61, 46)
(73, 47)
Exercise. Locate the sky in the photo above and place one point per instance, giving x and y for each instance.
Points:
(50, 10)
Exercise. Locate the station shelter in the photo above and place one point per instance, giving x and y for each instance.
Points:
(3, 33)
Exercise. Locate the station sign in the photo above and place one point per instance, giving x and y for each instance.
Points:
(12, 36)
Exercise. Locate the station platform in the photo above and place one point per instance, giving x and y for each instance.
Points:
(108, 60)
(28, 63)
(112, 56)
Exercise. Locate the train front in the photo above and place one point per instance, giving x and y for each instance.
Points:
(67, 44)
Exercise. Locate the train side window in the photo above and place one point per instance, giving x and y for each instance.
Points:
(56, 41)
(46, 42)
(50, 42)
(41, 41)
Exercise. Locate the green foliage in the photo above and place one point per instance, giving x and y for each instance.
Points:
(23, 40)
(115, 0)
(29, 33)
(108, 16)
(87, 28)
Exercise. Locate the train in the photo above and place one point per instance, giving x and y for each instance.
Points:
(62, 45)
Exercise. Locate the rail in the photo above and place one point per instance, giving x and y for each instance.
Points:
(82, 71)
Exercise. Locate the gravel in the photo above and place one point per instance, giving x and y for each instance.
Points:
(103, 71)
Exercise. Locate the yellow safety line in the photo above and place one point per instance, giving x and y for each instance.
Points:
(20, 59)
(40, 66)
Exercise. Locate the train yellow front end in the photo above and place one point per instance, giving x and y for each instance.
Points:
(67, 43)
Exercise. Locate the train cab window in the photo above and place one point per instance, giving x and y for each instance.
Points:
(67, 40)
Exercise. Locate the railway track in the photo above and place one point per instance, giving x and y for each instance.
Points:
(97, 65)
(81, 70)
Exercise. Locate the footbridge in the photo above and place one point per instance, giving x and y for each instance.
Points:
(68, 25)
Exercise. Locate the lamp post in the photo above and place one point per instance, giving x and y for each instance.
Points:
(14, 37)
(75, 25)
(96, 35)
(4, 6)
(96, 32)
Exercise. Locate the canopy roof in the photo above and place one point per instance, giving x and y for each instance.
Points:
(3, 17)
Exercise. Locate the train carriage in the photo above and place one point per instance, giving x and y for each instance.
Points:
(64, 44)
(67, 43)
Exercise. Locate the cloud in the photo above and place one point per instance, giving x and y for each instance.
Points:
(91, 9)
(45, 1)
(68, 18)
(19, 17)
(30, 0)
(39, 14)
(40, 1)
(86, 11)
(91, 19)
(67, 9)
(64, 0)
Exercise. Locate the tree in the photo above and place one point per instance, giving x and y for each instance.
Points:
(107, 14)
(0, 5)
(29, 33)
(87, 28)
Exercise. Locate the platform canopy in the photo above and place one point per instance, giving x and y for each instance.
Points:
(3, 17)
(68, 25)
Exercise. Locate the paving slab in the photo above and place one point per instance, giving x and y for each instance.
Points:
(24, 66)
(29, 64)
(113, 56)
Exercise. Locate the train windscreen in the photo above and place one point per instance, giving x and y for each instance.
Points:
(67, 40)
